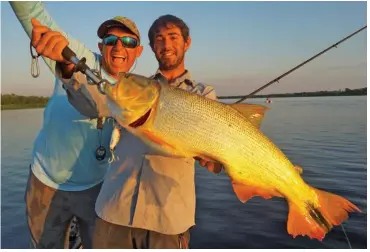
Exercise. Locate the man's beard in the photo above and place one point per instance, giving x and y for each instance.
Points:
(167, 65)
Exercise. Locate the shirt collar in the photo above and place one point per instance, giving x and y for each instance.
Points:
(103, 73)
(185, 77)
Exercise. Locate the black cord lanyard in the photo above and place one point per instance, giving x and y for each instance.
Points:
(100, 151)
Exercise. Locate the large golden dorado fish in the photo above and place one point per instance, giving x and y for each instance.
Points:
(184, 124)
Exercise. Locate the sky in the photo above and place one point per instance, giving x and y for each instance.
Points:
(236, 46)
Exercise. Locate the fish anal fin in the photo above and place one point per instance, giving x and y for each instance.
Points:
(245, 192)
(254, 113)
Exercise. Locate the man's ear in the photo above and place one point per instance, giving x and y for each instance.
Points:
(100, 45)
(187, 43)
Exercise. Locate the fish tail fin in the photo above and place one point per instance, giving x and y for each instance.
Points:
(315, 222)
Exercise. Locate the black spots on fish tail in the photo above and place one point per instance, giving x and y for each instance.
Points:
(317, 216)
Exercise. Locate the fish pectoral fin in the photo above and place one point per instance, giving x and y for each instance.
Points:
(161, 147)
(253, 112)
(245, 192)
(157, 140)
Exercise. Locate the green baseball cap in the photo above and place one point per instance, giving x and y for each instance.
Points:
(118, 21)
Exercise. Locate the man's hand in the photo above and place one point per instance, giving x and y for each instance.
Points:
(211, 166)
(48, 43)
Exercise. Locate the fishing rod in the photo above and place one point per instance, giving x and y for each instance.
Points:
(300, 65)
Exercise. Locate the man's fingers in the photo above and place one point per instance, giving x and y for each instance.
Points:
(214, 167)
(59, 48)
(210, 166)
(217, 168)
(61, 45)
(37, 33)
(35, 22)
(51, 50)
(203, 162)
(44, 40)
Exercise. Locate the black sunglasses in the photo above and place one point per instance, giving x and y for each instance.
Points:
(127, 41)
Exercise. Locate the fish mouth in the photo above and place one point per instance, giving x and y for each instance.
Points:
(141, 120)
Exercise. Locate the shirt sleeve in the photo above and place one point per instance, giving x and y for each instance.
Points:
(85, 98)
(206, 91)
(210, 93)
(25, 11)
(81, 97)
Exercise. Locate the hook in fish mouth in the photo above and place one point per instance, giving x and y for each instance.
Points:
(141, 120)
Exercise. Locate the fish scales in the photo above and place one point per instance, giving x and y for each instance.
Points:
(225, 134)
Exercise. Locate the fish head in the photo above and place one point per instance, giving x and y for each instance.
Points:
(132, 97)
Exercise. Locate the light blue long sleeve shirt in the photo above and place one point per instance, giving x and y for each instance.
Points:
(142, 189)
(63, 154)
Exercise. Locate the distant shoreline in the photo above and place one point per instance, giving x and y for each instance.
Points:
(13, 101)
(346, 92)
(21, 106)
(284, 96)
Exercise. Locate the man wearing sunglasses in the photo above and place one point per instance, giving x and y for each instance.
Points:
(144, 201)
(71, 152)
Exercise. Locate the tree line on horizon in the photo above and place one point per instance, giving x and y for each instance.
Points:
(345, 92)
(14, 99)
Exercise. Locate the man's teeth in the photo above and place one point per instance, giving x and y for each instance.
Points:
(118, 59)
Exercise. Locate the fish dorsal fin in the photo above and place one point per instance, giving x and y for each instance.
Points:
(253, 112)
(298, 169)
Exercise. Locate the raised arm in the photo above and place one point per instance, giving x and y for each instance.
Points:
(25, 11)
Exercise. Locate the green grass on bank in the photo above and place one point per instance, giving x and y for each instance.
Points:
(21, 106)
